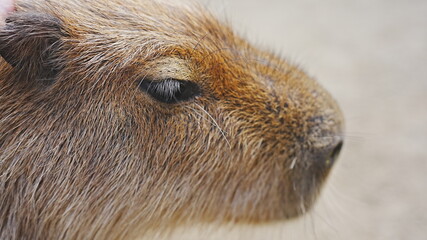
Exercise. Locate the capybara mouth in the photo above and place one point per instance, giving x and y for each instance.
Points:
(307, 183)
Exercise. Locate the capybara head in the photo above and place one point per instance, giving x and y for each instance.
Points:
(118, 117)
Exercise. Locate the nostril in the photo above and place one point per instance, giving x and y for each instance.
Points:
(326, 156)
(335, 152)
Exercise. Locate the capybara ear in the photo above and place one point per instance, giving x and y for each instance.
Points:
(30, 42)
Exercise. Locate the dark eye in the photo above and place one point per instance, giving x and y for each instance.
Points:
(170, 90)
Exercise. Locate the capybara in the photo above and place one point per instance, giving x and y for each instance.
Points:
(121, 117)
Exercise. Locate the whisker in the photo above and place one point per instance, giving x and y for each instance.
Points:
(139, 83)
(346, 137)
(223, 133)
(199, 42)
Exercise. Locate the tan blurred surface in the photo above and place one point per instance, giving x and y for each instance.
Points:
(372, 56)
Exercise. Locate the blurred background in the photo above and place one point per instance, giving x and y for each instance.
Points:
(372, 56)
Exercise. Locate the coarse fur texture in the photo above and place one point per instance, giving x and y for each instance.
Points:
(85, 153)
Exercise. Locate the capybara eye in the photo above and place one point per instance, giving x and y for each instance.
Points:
(170, 90)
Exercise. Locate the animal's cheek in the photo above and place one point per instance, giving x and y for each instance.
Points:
(173, 135)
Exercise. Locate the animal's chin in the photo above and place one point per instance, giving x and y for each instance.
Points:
(293, 203)
(301, 207)
(304, 193)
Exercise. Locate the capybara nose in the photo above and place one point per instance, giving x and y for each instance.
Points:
(333, 155)
(330, 154)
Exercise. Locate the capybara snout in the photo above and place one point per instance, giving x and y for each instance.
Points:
(122, 117)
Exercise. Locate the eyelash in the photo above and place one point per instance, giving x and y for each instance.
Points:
(170, 90)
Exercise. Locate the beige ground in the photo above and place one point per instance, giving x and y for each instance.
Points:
(372, 55)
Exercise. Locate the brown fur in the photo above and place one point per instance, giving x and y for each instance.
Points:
(85, 154)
